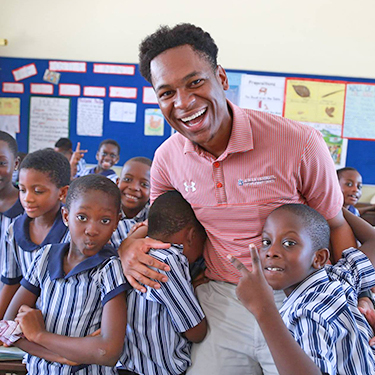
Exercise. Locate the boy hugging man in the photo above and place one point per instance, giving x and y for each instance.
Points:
(163, 322)
(319, 328)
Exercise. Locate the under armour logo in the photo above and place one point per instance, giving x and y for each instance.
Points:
(191, 186)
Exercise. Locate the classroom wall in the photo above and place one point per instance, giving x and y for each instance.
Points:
(323, 37)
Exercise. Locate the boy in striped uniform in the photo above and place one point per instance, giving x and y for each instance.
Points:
(327, 333)
(44, 181)
(81, 288)
(108, 155)
(163, 322)
(134, 185)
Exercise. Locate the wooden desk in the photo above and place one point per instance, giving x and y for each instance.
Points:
(12, 367)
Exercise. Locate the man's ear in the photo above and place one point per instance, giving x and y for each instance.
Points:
(320, 258)
(222, 77)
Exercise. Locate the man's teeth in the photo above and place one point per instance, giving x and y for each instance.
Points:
(273, 269)
(192, 117)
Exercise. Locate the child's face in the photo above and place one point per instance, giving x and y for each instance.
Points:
(7, 165)
(38, 194)
(91, 219)
(287, 254)
(351, 187)
(134, 185)
(107, 156)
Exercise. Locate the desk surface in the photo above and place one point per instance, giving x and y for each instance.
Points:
(13, 367)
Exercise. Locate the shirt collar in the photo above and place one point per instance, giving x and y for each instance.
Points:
(141, 215)
(104, 172)
(56, 260)
(15, 210)
(241, 138)
(22, 232)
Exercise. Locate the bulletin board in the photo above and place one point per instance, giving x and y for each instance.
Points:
(105, 100)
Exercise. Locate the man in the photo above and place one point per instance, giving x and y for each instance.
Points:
(234, 167)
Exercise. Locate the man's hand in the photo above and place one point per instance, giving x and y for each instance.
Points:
(366, 307)
(253, 290)
(31, 322)
(136, 262)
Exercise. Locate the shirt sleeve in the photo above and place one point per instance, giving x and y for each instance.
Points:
(31, 281)
(177, 295)
(318, 176)
(11, 273)
(356, 269)
(113, 281)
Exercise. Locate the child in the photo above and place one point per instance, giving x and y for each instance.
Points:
(134, 185)
(44, 179)
(162, 322)
(320, 310)
(81, 288)
(10, 206)
(108, 155)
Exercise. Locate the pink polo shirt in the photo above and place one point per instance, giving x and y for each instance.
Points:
(269, 161)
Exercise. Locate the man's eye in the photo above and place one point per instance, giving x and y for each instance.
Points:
(165, 94)
(106, 221)
(81, 218)
(196, 82)
(289, 243)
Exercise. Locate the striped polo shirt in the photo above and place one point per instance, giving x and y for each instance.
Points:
(323, 317)
(20, 250)
(154, 344)
(269, 161)
(72, 304)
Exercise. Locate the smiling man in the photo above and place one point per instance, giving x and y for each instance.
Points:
(233, 166)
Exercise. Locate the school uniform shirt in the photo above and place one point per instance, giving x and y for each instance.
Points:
(323, 317)
(154, 343)
(72, 304)
(109, 173)
(353, 210)
(125, 224)
(20, 250)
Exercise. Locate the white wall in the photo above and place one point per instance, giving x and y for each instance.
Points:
(328, 37)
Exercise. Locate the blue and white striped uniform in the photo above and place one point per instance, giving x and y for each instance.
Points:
(20, 250)
(7, 218)
(154, 343)
(125, 224)
(109, 173)
(72, 304)
(323, 317)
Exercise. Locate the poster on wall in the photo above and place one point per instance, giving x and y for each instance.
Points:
(90, 117)
(154, 122)
(10, 115)
(48, 121)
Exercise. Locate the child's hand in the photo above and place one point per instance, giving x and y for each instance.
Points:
(253, 290)
(77, 155)
(31, 322)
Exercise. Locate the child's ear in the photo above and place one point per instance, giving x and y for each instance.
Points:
(320, 258)
(190, 236)
(97, 155)
(64, 213)
(63, 192)
(17, 163)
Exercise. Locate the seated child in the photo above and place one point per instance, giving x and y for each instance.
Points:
(44, 180)
(162, 322)
(10, 205)
(319, 328)
(81, 288)
(134, 185)
(108, 155)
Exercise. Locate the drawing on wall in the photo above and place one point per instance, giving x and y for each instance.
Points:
(154, 122)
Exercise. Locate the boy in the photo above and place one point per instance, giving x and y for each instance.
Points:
(108, 155)
(81, 288)
(134, 185)
(327, 333)
(162, 322)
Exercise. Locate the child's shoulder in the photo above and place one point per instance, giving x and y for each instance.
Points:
(173, 252)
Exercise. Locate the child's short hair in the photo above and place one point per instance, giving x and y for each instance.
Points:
(64, 144)
(169, 214)
(50, 162)
(342, 170)
(141, 159)
(315, 224)
(109, 142)
(94, 182)
(12, 144)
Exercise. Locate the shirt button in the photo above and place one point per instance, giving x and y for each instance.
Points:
(219, 185)
(216, 164)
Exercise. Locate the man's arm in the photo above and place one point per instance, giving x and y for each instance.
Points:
(256, 295)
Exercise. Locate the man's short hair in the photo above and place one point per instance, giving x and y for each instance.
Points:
(165, 38)
(50, 162)
(140, 159)
(315, 224)
(342, 170)
(64, 144)
(169, 214)
(12, 144)
(109, 142)
(94, 182)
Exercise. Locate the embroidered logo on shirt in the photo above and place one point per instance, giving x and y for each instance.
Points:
(257, 180)
(191, 186)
